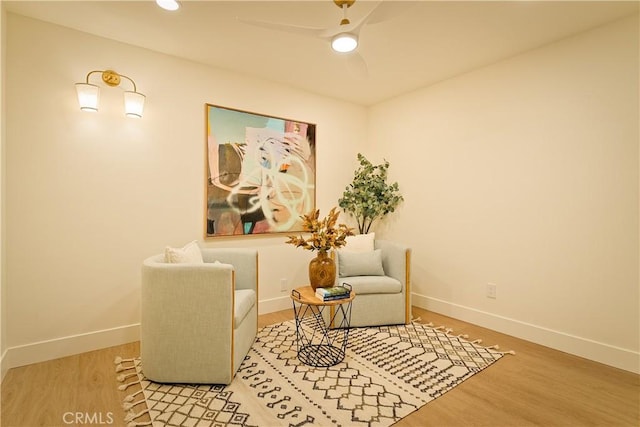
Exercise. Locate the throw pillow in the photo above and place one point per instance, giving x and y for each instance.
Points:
(190, 253)
(360, 263)
(360, 243)
(221, 264)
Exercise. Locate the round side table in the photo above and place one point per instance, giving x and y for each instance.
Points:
(320, 342)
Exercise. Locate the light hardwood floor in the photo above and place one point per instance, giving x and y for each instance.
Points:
(536, 387)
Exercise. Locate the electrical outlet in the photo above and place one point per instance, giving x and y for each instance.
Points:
(284, 285)
(491, 290)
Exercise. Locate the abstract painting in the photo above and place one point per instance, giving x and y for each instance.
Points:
(261, 172)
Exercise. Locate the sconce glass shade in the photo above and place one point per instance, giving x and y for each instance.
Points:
(133, 104)
(344, 42)
(88, 96)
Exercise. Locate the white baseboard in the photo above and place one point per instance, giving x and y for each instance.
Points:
(274, 304)
(67, 346)
(589, 349)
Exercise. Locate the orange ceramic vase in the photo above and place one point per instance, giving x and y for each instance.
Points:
(322, 271)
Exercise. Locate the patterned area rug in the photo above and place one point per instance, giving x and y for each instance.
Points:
(387, 373)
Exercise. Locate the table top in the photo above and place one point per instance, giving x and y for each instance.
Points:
(308, 296)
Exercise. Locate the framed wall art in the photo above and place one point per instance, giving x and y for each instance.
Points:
(261, 172)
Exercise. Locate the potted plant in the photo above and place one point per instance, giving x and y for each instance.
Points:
(369, 196)
(325, 235)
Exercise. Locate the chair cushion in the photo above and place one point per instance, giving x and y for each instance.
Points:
(245, 299)
(360, 263)
(372, 284)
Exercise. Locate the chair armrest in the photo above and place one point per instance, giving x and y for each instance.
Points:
(395, 260)
(244, 261)
(188, 292)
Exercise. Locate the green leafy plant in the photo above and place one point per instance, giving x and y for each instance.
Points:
(369, 196)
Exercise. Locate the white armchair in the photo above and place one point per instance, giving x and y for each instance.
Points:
(198, 320)
(381, 281)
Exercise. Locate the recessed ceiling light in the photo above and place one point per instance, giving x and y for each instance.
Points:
(168, 4)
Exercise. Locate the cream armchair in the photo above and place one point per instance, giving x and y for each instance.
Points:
(198, 319)
(381, 281)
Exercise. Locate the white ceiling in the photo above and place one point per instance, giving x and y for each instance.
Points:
(422, 43)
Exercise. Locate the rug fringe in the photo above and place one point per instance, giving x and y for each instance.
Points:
(130, 397)
(129, 401)
(121, 367)
(123, 377)
(132, 416)
(118, 360)
(449, 331)
(127, 385)
(130, 405)
(497, 347)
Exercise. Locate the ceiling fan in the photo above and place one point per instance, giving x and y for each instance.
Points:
(343, 37)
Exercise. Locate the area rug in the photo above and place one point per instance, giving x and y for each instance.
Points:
(387, 373)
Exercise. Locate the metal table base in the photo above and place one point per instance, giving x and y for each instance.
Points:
(321, 332)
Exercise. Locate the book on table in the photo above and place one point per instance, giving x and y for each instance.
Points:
(333, 292)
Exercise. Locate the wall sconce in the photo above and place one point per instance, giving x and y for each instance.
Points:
(89, 94)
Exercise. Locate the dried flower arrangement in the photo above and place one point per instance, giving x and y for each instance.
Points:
(325, 234)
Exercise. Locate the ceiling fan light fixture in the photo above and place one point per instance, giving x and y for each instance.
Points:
(344, 42)
(168, 4)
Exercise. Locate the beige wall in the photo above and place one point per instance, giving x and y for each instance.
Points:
(89, 196)
(525, 174)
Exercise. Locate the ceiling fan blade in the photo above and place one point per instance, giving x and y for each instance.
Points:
(356, 65)
(295, 29)
(366, 18)
(386, 10)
